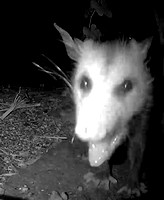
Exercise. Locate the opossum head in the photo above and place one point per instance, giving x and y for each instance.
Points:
(111, 84)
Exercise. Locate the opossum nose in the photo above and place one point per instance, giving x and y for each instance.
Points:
(82, 133)
(88, 134)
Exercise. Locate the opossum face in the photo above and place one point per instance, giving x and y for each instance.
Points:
(110, 85)
(108, 91)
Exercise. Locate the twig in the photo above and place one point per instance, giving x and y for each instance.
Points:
(53, 74)
(54, 137)
(9, 174)
(5, 152)
(4, 104)
(18, 103)
(58, 68)
(23, 106)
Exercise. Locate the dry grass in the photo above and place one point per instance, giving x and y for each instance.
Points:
(27, 129)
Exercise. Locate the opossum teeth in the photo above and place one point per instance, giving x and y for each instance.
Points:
(101, 151)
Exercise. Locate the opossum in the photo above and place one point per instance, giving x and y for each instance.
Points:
(111, 87)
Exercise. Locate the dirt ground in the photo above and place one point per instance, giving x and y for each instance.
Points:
(39, 159)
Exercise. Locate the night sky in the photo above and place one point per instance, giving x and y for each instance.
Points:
(27, 32)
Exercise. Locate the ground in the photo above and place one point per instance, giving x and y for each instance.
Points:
(40, 160)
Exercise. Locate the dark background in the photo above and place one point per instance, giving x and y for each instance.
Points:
(27, 31)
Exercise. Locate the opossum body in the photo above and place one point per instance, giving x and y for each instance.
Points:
(111, 85)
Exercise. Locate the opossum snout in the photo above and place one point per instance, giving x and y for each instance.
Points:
(90, 132)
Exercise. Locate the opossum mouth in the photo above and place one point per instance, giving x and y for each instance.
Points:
(101, 151)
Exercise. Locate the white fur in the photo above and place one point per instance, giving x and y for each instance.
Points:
(102, 114)
(99, 112)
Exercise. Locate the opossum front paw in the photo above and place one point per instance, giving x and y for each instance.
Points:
(135, 192)
(91, 180)
(112, 179)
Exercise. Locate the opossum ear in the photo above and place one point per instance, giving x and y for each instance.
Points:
(145, 46)
(141, 48)
(72, 46)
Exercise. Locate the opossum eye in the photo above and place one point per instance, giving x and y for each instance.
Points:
(85, 83)
(125, 87)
